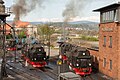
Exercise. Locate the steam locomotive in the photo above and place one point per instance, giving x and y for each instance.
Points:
(78, 58)
(34, 55)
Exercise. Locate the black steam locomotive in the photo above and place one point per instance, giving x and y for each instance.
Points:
(35, 55)
(77, 57)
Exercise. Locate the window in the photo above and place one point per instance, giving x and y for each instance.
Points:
(110, 64)
(110, 42)
(104, 64)
(104, 41)
(109, 16)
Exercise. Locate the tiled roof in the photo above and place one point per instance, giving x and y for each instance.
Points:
(21, 24)
(18, 24)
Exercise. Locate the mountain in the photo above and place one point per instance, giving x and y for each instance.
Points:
(85, 25)
(35, 23)
(83, 22)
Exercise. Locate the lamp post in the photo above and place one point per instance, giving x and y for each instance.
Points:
(48, 45)
(3, 16)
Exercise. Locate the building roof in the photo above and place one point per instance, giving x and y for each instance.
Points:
(8, 27)
(109, 7)
(21, 24)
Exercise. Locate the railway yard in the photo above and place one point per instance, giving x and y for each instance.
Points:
(63, 50)
(18, 71)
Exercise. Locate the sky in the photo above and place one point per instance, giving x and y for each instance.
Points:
(52, 10)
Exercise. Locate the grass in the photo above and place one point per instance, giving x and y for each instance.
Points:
(89, 38)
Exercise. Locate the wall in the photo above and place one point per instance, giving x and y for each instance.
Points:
(107, 51)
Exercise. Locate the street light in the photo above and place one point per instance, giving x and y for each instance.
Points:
(3, 16)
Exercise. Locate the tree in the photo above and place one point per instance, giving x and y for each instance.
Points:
(9, 36)
(45, 31)
(22, 34)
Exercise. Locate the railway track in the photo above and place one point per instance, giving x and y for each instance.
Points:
(87, 78)
(45, 71)
(48, 73)
(41, 74)
(34, 74)
(52, 74)
(22, 74)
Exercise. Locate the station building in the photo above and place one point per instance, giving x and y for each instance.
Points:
(108, 55)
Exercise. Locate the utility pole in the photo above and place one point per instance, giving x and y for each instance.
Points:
(3, 16)
(49, 42)
(64, 34)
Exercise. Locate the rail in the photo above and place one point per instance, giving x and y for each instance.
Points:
(23, 73)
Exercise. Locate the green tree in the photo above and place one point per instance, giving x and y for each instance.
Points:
(45, 31)
(22, 34)
(9, 36)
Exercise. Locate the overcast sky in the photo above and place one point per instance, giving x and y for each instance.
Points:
(52, 10)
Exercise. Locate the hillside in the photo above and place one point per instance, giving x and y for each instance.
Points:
(85, 25)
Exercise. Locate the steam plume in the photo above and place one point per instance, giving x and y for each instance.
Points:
(23, 7)
(74, 8)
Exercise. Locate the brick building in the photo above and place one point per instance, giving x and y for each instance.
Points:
(109, 41)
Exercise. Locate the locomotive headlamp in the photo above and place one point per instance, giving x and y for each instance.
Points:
(34, 58)
(83, 53)
(60, 56)
(77, 64)
(89, 64)
(39, 49)
(44, 58)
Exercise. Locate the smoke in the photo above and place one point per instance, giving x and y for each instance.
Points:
(75, 8)
(23, 7)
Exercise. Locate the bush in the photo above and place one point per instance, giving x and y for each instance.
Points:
(89, 38)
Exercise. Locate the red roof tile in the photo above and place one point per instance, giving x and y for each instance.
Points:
(21, 24)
